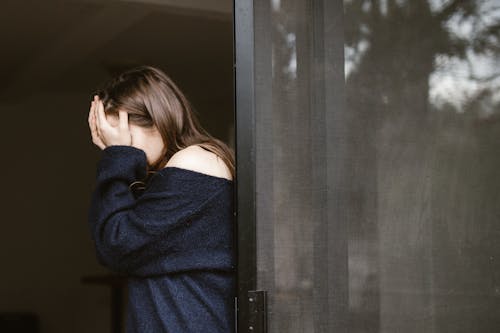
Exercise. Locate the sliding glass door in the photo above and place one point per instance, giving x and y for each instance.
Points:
(367, 143)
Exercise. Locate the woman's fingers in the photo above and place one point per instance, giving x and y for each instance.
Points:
(100, 116)
(123, 128)
(106, 133)
(95, 119)
(123, 120)
(92, 122)
(93, 127)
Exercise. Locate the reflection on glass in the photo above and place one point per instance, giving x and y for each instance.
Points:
(293, 187)
(422, 92)
(409, 166)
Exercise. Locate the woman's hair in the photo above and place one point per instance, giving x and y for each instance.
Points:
(151, 98)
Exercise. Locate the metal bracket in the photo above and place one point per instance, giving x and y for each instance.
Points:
(257, 306)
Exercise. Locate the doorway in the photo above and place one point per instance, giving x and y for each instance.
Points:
(54, 54)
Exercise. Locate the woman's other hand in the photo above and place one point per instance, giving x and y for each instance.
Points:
(105, 134)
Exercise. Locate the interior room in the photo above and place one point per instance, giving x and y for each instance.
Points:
(54, 55)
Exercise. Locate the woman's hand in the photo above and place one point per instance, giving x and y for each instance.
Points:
(103, 133)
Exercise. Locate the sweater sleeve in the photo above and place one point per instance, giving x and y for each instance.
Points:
(125, 228)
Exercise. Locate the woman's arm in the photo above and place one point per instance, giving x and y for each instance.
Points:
(125, 229)
(113, 231)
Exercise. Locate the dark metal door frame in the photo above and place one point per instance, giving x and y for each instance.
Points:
(243, 61)
(251, 303)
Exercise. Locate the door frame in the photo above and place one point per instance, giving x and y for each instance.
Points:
(245, 191)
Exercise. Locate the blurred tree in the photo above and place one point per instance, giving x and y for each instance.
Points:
(425, 185)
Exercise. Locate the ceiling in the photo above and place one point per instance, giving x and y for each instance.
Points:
(74, 45)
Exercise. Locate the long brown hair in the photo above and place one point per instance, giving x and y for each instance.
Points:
(151, 98)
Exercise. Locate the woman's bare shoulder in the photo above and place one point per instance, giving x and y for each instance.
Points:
(198, 159)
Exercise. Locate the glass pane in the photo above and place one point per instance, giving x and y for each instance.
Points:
(377, 126)
(422, 94)
(302, 245)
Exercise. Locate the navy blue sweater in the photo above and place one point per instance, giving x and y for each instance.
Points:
(173, 241)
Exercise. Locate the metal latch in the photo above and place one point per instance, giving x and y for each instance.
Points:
(257, 308)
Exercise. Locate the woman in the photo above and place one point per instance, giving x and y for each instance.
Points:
(162, 209)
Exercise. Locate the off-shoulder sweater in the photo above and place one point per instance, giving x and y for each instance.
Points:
(173, 240)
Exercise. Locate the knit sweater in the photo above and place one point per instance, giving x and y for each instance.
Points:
(174, 242)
